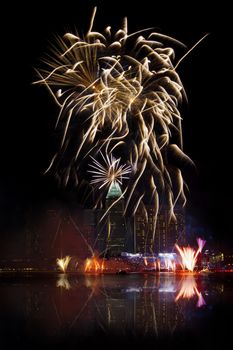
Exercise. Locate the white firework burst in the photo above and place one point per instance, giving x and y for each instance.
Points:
(109, 171)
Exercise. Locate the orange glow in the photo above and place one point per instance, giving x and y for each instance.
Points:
(94, 265)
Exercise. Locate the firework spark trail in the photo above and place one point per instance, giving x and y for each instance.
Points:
(63, 263)
(200, 243)
(169, 264)
(109, 173)
(189, 255)
(121, 90)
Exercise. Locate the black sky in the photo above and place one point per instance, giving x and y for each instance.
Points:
(28, 113)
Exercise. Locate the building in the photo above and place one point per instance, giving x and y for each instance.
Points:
(167, 232)
(105, 232)
(113, 231)
(116, 233)
(212, 259)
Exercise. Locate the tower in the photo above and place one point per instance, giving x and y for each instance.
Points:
(116, 232)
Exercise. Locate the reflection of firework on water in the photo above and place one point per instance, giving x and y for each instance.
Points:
(63, 263)
(189, 255)
(63, 282)
(122, 91)
(188, 290)
(109, 172)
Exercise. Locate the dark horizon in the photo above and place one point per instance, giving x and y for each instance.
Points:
(28, 122)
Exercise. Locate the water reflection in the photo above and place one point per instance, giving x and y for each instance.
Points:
(63, 282)
(152, 305)
(188, 289)
(124, 304)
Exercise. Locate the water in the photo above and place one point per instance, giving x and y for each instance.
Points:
(116, 311)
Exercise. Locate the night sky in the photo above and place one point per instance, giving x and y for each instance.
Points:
(28, 113)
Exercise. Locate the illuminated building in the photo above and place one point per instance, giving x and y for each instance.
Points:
(213, 259)
(166, 233)
(114, 234)
(57, 232)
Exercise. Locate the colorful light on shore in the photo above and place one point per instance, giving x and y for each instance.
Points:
(94, 265)
(167, 261)
(170, 264)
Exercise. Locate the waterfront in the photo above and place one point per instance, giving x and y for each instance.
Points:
(153, 309)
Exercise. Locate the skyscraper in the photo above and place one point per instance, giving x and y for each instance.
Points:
(114, 234)
(167, 233)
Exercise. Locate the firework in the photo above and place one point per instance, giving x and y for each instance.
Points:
(170, 265)
(119, 91)
(94, 265)
(110, 172)
(63, 263)
(167, 261)
(200, 243)
(189, 255)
